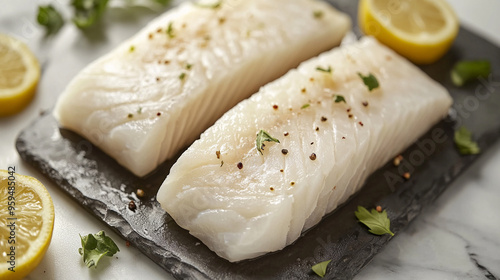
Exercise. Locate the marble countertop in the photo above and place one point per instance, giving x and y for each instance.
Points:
(458, 237)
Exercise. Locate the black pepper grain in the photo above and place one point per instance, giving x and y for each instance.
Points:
(158, 114)
(317, 128)
(361, 123)
(275, 107)
(365, 103)
(324, 119)
(217, 153)
(140, 193)
(132, 206)
(240, 165)
(284, 151)
(312, 156)
(286, 134)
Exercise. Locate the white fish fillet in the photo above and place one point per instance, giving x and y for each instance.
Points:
(158, 91)
(265, 205)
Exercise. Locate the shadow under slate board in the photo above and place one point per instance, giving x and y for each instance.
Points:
(104, 188)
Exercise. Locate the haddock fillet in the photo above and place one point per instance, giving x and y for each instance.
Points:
(158, 91)
(243, 204)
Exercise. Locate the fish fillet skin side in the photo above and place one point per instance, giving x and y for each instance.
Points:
(158, 91)
(243, 204)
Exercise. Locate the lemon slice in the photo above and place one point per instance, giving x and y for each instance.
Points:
(27, 225)
(422, 30)
(19, 75)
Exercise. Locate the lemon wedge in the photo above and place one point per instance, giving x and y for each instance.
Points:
(19, 75)
(422, 30)
(27, 219)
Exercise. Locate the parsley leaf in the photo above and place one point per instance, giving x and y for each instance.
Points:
(464, 142)
(339, 98)
(377, 221)
(327, 70)
(87, 12)
(370, 81)
(466, 71)
(305, 106)
(50, 18)
(96, 246)
(320, 268)
(263, 136)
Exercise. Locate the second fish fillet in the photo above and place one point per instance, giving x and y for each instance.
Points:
(154, 94)
(333, 133)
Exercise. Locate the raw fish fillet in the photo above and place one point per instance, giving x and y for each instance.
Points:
(331, 148)
(158, 91)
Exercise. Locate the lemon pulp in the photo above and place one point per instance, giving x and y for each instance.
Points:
(19, 75)
(420, 30)
(27, 224)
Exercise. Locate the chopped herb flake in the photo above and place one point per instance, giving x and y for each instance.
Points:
(339, 98)
(318, 14)
(320, 268)
(170, 30)
(210, 6)
(466, 71)
(189, 66)
(139, 111)
(464, 142)
(328, 70)
(370, 81)
(262, 137)
(305, 106)
(182, 76)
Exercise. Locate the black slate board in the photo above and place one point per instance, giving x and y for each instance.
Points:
(104, 188)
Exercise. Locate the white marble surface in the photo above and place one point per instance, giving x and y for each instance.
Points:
(456, 238)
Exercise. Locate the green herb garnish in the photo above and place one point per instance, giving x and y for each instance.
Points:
(339, 98)
(50, 18)
(87, 12)
(189, 66)
(132, 49)
(139, 111)
(262, 137)
(328, 70)
(466, 71)
(320, 268)
(318, 14)
(464, 143)
(96, 246)
(170, 30)
(182, 76)
(377, 221)
(370, 81)
(305, 106)
(210, 6)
